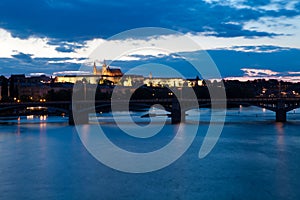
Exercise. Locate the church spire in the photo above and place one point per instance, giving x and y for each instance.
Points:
(95, 69)
(104, 64)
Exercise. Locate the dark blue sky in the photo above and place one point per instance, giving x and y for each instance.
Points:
(259, 29)
(87, 19)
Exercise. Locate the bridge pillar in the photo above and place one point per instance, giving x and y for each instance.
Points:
(280, 115)
(280, 112)
(177, 115)
(80, 117)
(71, 118)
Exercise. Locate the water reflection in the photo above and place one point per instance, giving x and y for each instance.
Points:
(18, 126)
(280, 128)
(43, 117)
(49, 160)
(29, 117)
(282, 173)
(40, 117)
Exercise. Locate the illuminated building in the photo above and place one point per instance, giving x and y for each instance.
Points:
(98, 76)
(92, 79)
(172, 82)
(113, 76)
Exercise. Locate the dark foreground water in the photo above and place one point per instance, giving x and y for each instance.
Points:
(255, 158)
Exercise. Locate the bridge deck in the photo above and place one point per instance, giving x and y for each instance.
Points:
(278, 105)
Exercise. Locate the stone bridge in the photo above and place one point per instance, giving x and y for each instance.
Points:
(177, 107)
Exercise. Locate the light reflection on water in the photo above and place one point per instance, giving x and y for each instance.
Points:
(282, 172)
(255, 158)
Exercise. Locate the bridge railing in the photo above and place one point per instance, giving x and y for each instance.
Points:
(256, 99)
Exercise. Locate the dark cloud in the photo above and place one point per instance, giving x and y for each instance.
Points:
(23, 57)
(19, 64)
(69, 23)
(229, 62)
(255, 3)
(67, 47)
(79, 20)
(237, 30)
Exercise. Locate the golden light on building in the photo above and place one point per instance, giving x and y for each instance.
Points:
(107, 72)
(113, 76)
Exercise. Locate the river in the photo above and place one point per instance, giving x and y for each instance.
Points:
(254, 158)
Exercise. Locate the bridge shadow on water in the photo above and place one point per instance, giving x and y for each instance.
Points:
(245, 115)
(202, 116)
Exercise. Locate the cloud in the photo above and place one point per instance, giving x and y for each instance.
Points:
(63, 73)
(259, 49)
(23, 57)
(65, 60)
(230, 62)
(67, 47)
(23, 64)
(280, 25)
(277, 5)
(294, 73)
(293, 79)
(258, 72)
(59, 34)
(33, 46)
(265, 64)
(81, 20)
(264, 5)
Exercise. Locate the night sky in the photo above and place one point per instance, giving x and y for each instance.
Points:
(247, 39)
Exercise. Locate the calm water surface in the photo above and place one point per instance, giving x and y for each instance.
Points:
(255, 158)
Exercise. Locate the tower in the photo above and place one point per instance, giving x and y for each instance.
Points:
(95, 69)
(105, 68)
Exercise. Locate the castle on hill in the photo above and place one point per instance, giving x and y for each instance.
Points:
(114, 76)
(107, 71)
